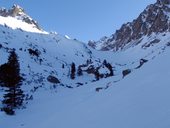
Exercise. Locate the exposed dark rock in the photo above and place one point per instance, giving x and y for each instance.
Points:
(168, 44)
(142, 61)
(70, 87)
(98, 89)
(155, 41)
(53, 79)
(92, 44)
(34, 52)
(79, 84)
(126, 72)
(165, 2)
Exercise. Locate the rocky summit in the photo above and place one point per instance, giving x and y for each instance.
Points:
(153, 20)
(19, 13)
(48, 80)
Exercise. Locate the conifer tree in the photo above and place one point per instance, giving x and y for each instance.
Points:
(11, 79)
(73, 71)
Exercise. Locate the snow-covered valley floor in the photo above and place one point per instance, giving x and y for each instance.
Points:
(138, 101)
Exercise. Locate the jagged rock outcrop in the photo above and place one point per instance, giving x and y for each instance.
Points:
(154, 19)
(19, 13)
(163, 1)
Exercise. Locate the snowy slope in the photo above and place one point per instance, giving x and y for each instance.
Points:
(52, 53)
(18, 24)
(139, 100)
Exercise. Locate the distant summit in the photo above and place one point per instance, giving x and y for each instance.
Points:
(153, 20)
(19, 13)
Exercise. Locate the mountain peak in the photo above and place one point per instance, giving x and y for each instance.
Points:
(18, 12)
(153, 20)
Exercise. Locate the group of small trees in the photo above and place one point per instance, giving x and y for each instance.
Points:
(10, 79)
(91, 70)
(110, 68)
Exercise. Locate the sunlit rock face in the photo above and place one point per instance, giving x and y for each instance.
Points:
(153, 20)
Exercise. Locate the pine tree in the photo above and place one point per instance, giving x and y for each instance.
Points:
(79, 71)
(97, 74)
(13, 99)
(11, 79)
(10, 72)
(73, 71)
(109, 66)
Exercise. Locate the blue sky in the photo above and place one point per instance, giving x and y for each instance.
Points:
(81, 19)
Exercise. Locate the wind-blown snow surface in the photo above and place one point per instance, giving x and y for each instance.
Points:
(140, 100)
(18, 24)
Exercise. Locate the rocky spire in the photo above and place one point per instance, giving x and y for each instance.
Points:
(18, 12)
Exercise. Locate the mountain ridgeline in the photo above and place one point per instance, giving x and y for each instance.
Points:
(32, 59)
(153, 20)
(48, 80)
(19, 13)
(42, 60)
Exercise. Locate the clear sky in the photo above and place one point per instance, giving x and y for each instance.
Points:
(81, 19)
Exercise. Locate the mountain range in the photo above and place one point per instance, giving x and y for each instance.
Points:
(49, 80)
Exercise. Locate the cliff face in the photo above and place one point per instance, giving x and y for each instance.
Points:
(154, 19)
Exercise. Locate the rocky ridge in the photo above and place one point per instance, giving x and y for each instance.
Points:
(153, 20)
(19, 13)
